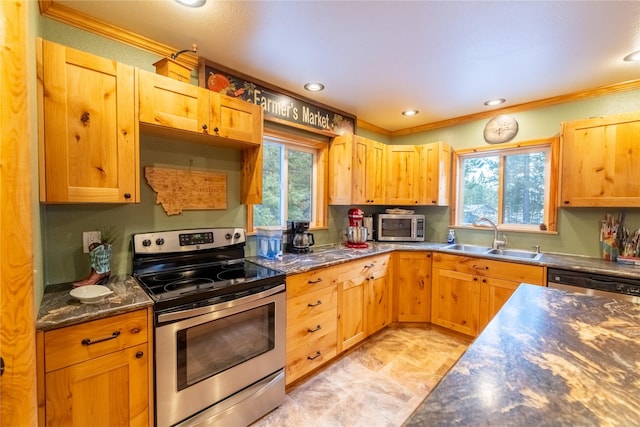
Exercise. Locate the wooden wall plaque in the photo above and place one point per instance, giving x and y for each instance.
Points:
(186, 189)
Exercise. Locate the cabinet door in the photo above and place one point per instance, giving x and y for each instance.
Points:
(412, 282)
(455, 301)
(89, 148)
(235, 119)
(493, 294)
(173, 104)
(598, 162)
(107, 391)
(368, 172)
(435, 171)
(403, 164)
(378, 304)
(340, 158)
(351, 316)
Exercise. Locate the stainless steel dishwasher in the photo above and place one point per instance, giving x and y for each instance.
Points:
(594, 284)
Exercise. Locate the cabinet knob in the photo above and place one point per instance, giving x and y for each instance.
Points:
(139, 355)
(216, 130)
(566, 202)
(204, 128)
(127, 195)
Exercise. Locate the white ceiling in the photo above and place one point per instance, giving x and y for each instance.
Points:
(377, 58)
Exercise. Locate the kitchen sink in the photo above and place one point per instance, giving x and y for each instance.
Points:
(513, 253)
(507, 253)
(468, 248)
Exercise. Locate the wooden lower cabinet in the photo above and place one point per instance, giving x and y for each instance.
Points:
(312, 301)
(493, 294)
(467, 292)
(455, 301)
(412, 286)
(96, 373)
(364, 300)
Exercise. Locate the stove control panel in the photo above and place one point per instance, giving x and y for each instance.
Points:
(186, 240)
(190, 239)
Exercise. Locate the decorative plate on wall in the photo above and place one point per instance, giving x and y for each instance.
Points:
(500, 129)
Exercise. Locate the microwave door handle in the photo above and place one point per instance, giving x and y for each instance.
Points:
(192, 312)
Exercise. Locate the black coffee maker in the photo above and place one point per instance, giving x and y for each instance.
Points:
(299, 241)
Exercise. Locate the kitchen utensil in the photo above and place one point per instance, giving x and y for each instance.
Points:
(91, 294)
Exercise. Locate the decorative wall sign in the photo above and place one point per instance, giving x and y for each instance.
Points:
(278, 104)
(186, 189)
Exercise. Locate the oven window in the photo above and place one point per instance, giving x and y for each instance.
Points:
(210, 348)
(397, 227)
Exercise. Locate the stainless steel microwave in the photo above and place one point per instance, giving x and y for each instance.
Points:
(400, 227)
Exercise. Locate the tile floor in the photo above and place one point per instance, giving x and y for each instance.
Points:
(379, 383)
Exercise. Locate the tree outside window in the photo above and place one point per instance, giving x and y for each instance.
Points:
(510, 186)
(288, 185)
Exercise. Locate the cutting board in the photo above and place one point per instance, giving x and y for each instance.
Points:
(187, 189)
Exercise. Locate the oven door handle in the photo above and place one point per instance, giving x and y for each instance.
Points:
(186, 314)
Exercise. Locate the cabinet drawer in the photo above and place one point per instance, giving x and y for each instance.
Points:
(309, 356)
(357, 271)
(302, 330)
(485, 267)
(312, 303)
(78, 343)
(302, 283)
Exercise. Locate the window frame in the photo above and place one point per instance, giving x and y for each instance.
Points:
(319, 192)
(551, 196)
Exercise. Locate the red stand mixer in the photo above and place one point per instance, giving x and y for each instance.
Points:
(356, 233)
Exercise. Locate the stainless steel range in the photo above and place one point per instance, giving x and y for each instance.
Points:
(219, 327)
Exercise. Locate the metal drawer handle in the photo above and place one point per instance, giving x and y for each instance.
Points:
(314, 330)
(313, 282)
(318, 354)
(314, 305)
(369, 265)
(87, 341)
(480, 267)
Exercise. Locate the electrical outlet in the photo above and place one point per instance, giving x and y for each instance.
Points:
(88, 238)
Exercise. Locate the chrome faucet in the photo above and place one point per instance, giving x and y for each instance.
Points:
(497, 244)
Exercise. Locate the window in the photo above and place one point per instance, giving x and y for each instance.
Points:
(512, 186)
(292, 176)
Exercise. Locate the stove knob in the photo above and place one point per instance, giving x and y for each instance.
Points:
(228, 236)
(160, 241)
(146, 242)
(237, 235)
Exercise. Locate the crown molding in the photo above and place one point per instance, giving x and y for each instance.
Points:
(546, 102)
(66, 15)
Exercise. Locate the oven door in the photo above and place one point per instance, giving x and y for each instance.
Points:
(203, 358)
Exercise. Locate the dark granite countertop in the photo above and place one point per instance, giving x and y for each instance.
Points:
(59, 309)
(328, 255)
(548, 358)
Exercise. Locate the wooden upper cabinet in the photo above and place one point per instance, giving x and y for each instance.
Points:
(89, 148)
(340, 163)
(368, 172)
(403, 175)
(435, 172)
(235, 119)
(173, 104)
(599, 162)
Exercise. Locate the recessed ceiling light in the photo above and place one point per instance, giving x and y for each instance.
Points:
(410, 113)
(633, 56)
(493, 102)
(314, 87)
(192, 3)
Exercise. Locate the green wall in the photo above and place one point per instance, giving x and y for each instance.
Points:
(578, 228)
(59, 242)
